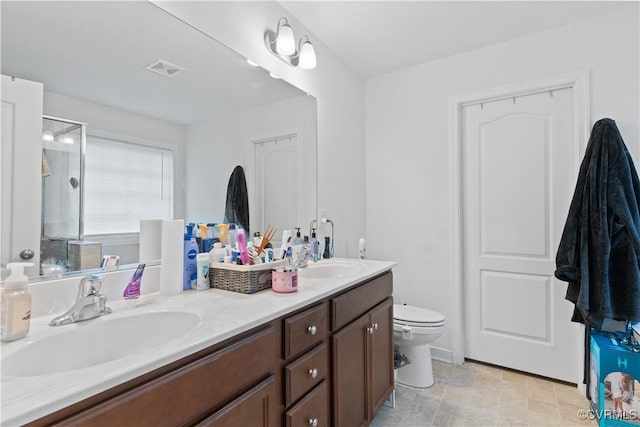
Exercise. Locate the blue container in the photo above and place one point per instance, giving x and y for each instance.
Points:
(614, 383)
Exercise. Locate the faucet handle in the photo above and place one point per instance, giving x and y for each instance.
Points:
(90, 285)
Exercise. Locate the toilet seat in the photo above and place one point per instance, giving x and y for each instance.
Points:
(416, 316)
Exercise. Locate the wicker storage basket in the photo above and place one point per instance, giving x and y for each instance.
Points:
(246, 279)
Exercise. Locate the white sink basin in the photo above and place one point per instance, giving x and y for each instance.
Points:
(96, 341)
(330, 268)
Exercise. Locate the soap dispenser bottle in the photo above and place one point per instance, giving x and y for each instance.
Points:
(16, 303)
(315, 251)
(297, 245)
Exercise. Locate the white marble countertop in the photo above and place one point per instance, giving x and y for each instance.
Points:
(222, 315)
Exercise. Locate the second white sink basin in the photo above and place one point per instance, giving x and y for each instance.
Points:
(330, 268)
(96, 341)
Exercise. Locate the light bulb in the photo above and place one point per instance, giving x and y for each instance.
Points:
(307, 60)
(273, 76)
(250, 62)
(47, 135)
(285, 42)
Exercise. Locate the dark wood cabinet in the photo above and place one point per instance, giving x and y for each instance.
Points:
(362, 353)
(329, 363)
(187, 394)
(381, 353)
(349, 356)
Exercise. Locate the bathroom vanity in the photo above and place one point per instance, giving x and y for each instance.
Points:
(320, 357)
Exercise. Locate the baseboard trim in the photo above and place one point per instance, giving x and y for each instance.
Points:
(442, 354)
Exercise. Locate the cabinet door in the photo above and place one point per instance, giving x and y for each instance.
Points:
(350, 379)
(253, 408)
(381, 349)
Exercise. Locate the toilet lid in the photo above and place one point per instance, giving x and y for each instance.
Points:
(416, 315)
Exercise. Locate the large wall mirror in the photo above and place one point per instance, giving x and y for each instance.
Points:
(143, 116)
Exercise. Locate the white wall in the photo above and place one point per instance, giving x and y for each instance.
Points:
(339, 92)
(407, 134)
(118, 123)
(217, 146)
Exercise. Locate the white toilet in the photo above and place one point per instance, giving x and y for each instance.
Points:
(414, 328)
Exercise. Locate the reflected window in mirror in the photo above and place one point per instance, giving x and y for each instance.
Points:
(126, 182)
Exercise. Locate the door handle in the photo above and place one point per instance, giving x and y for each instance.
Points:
(27, 254)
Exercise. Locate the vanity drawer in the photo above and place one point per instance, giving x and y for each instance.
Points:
(305, 329)
(188, 393)
(354, 303)
(306, 372)
(312, 410)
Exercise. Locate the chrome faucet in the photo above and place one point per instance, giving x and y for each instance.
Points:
(89, 303)
(304, 256)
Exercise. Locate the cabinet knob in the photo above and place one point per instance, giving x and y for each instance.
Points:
(313, 373)
(370, 330)
(312, 329)
(375, 326)
(313, 422)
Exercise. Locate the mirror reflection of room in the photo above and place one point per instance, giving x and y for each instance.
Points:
(159, 145)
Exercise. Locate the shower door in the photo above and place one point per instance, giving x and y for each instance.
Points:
(62, 189)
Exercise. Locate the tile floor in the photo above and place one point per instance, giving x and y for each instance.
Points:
(476, 394)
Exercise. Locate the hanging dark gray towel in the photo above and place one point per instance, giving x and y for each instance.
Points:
(237, 207)
(599, 254)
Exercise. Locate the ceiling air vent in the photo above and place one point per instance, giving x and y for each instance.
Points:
(165, 68)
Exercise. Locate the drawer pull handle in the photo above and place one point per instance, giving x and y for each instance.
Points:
(313, 373)
(312, 329)
(313, 422)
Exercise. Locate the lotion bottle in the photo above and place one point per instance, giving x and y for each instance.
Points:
(16, 303)
(190, 263)
(362, 248)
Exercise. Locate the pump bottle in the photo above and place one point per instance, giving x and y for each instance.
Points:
(315, 252)
(16, 303)
(297, 244)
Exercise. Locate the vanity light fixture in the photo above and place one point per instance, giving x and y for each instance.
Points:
(307, 55)
(274, 76)
(65, 139)
(47, 135)
(285, 41)
(282, 45)
(250, 62)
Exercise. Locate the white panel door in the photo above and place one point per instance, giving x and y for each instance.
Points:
(518, 182)
(276, 185)
(21, 161)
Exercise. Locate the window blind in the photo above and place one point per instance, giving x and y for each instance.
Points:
(124, 183)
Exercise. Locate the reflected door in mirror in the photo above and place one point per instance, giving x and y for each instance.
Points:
(21, 157)
(277, 184)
